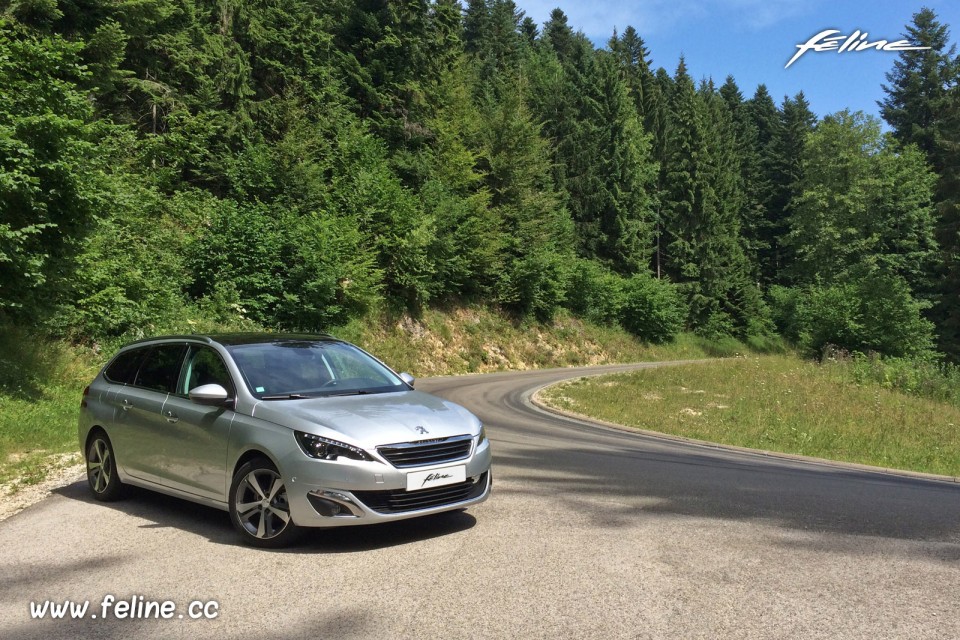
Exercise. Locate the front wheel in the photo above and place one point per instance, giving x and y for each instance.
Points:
(102, 469)
(259, 508)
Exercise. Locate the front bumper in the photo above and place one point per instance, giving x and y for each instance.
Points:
(348, 493)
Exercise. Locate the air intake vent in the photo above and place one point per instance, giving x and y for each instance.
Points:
(401, 501)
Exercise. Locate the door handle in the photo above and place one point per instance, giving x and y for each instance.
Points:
(172, 417)
(127, 405)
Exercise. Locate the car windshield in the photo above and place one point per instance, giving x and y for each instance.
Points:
(286, 370)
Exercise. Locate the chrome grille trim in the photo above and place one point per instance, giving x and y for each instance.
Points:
(423, 453)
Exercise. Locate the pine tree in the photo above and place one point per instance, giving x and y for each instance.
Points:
(537, 235)
(703, 203)
(797, 121)
(749, 160)
(947, 310)
(919, 83)
(657, 124)
(728, 285)
(759, 170)
(634, 58)
(559, 36)
(476, 23)
(496, 45)
(682, 184)
(626, 171)
(394, 55)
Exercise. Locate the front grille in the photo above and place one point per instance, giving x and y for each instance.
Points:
(400, 501)
(427, 452)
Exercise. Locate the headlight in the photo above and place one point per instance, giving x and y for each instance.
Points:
(326, 449)
(483, 435)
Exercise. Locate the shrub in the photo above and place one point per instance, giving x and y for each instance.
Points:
(535, 284)
(652, 309)
(595, 293)
(784, 305)
(286, 270)
(870, 312)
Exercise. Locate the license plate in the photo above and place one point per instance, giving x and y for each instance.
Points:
(436, 477)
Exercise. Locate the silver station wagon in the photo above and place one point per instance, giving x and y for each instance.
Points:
(282, 431)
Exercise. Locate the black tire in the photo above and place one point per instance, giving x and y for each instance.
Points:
(102, 475)
(259, 508)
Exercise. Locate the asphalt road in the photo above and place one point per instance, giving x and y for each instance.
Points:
(590, 533)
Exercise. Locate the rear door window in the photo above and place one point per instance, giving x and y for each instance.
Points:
(161, 368)
(124, 367)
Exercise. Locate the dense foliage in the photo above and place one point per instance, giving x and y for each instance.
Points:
(168, 163)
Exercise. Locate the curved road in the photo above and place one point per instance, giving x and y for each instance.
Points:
(590, 533)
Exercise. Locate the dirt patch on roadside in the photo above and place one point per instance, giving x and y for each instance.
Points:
(17, 495)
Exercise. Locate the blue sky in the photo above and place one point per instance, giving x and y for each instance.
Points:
(754, 39)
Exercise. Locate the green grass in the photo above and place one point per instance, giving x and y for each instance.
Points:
(777, 403)
(41, 383)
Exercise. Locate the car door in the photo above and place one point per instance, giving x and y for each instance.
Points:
(199, 433)
(140, 441)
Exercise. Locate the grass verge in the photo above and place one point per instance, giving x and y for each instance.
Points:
(41, 382)
(777, 403)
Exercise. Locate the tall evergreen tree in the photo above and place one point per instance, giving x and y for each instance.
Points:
(947, 310)
(623, 206)
(497, 45)
(394, 55)
(657, 124)
(759, 171)
(536, 231)
(634, 58)
(558, 34)
(704, 251)
(797, 121)
(476, 23)
(682, 184)
(919, 83)
(749, 160)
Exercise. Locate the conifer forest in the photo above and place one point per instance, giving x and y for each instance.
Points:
(302, 163)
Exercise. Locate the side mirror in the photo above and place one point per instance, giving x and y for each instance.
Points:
(409, 379)
(209, 394)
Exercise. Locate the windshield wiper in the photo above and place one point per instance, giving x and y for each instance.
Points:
(359, 392)
(286, 396)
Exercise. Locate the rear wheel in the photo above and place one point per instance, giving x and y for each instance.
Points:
(259, 508)
(102, 469)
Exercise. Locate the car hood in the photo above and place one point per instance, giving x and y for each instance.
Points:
(372, 420)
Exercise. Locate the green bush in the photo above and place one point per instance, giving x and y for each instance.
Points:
(784, 303)
(652, 309)
(535, 284)
(595, 293)
(917, 376)
(871, 311)
(283, 270)
(130, 275)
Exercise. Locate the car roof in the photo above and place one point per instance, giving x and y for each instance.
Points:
(230, 339)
